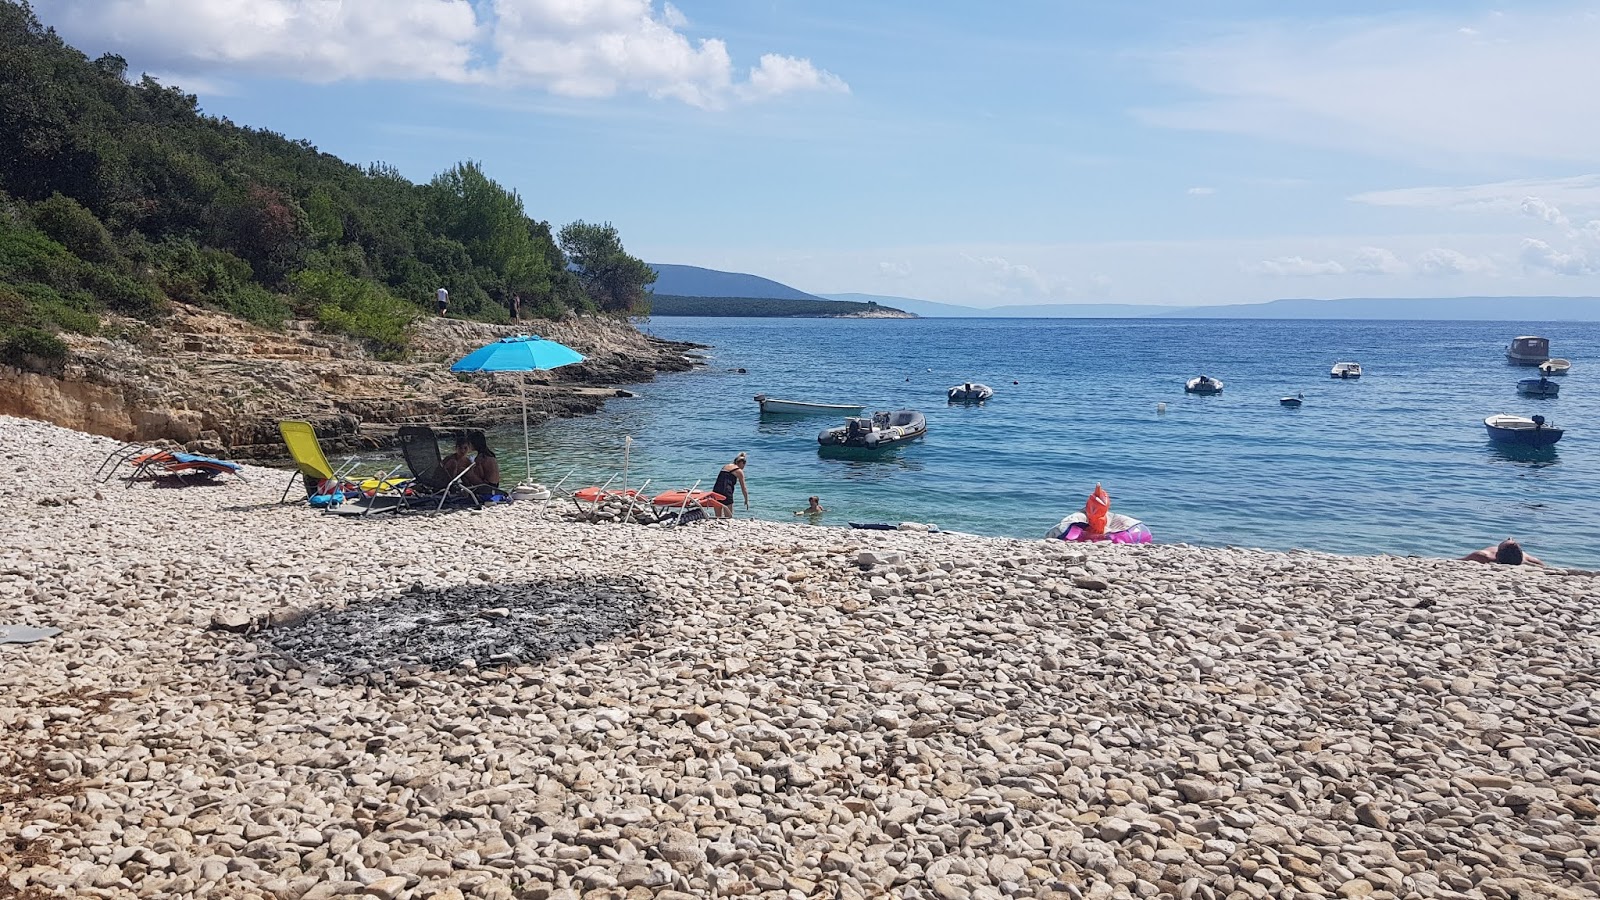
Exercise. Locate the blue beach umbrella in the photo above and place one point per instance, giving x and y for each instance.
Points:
(524, 354)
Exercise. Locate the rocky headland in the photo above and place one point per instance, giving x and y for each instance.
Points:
(217, 384)
(249, 700)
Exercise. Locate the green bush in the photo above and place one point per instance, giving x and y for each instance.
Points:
(344, 304)
(65, 221)
(30, 347)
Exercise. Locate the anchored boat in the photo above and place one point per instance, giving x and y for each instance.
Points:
(1555, 366)
(1538, 387)
(1203, 384)
(882, 430)
(971, 392)
(774, 406)
(1528, 350)
(1347, 370)
(1534, 432)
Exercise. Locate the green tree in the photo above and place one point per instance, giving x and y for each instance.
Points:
(488, 220)
(614, 280)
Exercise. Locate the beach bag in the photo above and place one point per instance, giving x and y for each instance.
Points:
(1097, 509)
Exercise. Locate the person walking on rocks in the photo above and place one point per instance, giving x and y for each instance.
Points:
(1507, 553)
(516, 307)
(442, 298)
(730, 475)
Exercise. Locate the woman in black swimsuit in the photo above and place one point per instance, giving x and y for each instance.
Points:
(731, 474)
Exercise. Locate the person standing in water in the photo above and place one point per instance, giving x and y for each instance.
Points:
(730, 475)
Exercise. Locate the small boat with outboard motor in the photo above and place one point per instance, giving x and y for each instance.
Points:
(1346, 370)
(970, 392)
(1292, 402)
(881, 431)
(1525, 432)
(1538, 387)
(1557, 366)
(775, 407)
(1203, 384)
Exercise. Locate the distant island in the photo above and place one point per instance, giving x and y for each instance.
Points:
(750, 295)
(770, 308)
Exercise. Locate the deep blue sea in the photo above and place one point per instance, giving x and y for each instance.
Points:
(1397, 462)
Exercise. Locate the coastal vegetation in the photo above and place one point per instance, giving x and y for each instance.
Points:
(767, 307)
(118, 195)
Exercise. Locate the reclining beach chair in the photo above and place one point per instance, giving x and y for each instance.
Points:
(150, 462)
(595, 499)
(419, 447)
(683, 507)
(311, 466)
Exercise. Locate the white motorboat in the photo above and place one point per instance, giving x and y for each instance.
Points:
(1292, 402)
(1203, 384)
(1347, 370)
(1555, 366)
(882, 430)
(776, 407)
(1528, 350)
(970, 392)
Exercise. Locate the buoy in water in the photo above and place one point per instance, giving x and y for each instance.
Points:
(1161, 409)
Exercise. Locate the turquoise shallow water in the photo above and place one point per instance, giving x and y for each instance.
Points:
(1397, 462)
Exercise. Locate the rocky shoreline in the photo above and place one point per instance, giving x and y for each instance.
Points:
(219, 385)
(256, 701)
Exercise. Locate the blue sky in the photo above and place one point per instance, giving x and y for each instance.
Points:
(984, 154)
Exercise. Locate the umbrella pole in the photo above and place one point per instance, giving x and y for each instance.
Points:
(527, 451)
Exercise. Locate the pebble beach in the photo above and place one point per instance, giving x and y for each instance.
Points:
(250, 700)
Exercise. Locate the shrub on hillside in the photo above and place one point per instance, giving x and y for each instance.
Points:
(345, 304)
(31, 348)
(65, 221)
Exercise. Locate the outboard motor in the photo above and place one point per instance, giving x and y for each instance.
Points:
(880, 419)
(855, 428)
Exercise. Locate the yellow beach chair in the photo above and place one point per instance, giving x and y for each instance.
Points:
(310, 464)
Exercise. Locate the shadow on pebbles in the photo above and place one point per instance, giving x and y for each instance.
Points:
(422, 629)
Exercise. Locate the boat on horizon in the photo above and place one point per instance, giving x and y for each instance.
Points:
(879, 432)
(774, 406)
(1538, 387)
(1556, 366)
(1524, 432)
(1528, 350)
(1203, 384)
(970, 392)
(1346, 370)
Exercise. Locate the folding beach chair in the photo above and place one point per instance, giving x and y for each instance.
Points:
(152, 462)
(419, 447)
(683, 507)
(311, 466)
(592, 500)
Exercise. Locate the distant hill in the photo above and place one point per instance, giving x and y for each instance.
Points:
(930, 309)
(693, 281)
(767, 307)
(1492, 309)
(924, 308)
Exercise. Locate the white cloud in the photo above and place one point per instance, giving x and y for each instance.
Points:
(1448, 85)
(1580, 191)
(577, 48)
(1378, 261)
(316, 41)
(786, 74)
(1295, 265)
(1201, 191)
(1544, 212)
(1002, 277)
(1440, 261)
(1539, 256)
(895, 269)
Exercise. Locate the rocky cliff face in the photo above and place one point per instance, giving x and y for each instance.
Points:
(221, 385)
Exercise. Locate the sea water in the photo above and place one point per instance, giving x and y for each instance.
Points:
(1396, 462)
